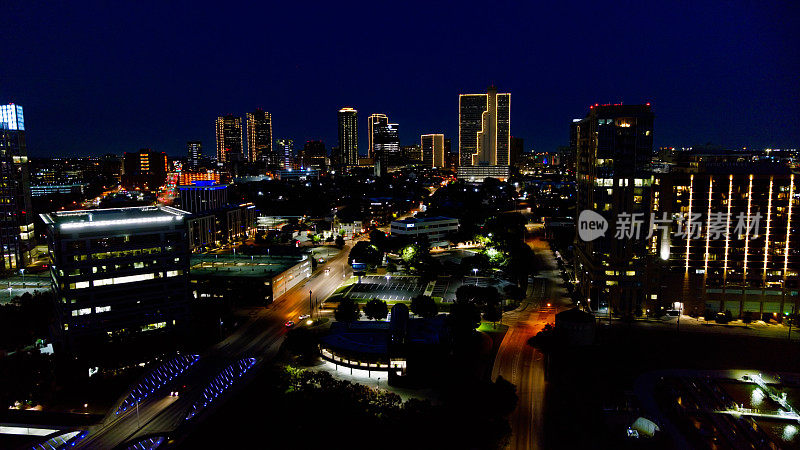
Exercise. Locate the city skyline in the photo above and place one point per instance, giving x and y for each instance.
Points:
(696, 64)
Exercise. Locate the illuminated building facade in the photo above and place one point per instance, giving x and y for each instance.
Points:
(484, 133)
(259, 137)
(117, 273)
(432, 150)
(285, 148)
(144, 170)
(412, 154)
(614, 144)
(348, 137)
(314, 155)
(194, 150)
(229, 140)
(375, 125)
(385, 141)
(745, 258)
(16, 222)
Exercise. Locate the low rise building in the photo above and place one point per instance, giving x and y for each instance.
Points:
(436, 229)
(246, 279)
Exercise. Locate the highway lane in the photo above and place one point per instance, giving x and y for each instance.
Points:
(260, 336)
(520, 363)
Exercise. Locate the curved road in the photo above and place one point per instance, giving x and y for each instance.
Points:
(520, 363)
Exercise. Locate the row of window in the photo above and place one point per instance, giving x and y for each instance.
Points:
(125, 279)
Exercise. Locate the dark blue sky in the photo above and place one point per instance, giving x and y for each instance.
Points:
(99, 77)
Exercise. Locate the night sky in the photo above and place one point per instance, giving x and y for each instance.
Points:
(97, 78)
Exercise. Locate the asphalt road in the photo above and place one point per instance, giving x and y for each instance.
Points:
(520, 363)
(259, 337)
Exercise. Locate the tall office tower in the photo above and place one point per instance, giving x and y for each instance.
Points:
(259, 135)
(614, 144)
(145, 170)
(375, 124)
(195, 153)
(285, 147)
(348, 137)
(314, 155)
(229, 140)
(117, 274)
(484, 135)
(385, 140)
(16, 222)
(517, 149)
(432, 150)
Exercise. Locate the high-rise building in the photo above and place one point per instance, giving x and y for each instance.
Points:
(384, 143)
(145, 170)
(412, 154)
(117, 273)
(195, 153)
(614, 144)
(229, 140)
(348, 137)
(375, 125)
(314, 155)
(432, 150)
(517, 149)
(259, 135)
(484, 135)
(16, 220)
(285, 147)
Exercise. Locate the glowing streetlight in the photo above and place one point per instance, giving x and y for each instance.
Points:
(475, 271)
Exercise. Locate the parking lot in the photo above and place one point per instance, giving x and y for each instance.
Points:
(386, 288)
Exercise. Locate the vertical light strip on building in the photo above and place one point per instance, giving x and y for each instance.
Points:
(727, 230)
(689, 220)
(766, 236)
(788, 229)
(747, 231)
(708, 215)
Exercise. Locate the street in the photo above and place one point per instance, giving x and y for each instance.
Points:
(520, 363)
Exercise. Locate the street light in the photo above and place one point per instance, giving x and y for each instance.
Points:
(475, 271)
(22, 271)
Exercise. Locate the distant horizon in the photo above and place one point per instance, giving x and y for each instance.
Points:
(156, 76)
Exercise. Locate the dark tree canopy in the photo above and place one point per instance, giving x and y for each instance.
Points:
(424, 306)
(376, 309)
(347, 311)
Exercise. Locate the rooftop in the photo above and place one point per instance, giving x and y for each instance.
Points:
(241, 266)
(113, 216)
(424, 219)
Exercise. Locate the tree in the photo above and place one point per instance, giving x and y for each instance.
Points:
(463, 319)
(376, 309)
(347, 311)
(339, 241)
(424, 306)
(492, 313)
(365, 252)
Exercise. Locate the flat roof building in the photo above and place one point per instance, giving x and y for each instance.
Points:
(117, 273)
(436, 229)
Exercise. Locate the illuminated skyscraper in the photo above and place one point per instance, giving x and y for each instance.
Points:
(348, 136)
(484, 134)
(16, 217)
(614, 145)
(314, 155)
(285, 147)
(432, 150)
(195, 152)
(259, 136)
(375, 123)
(229, 139)
(384, 143)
